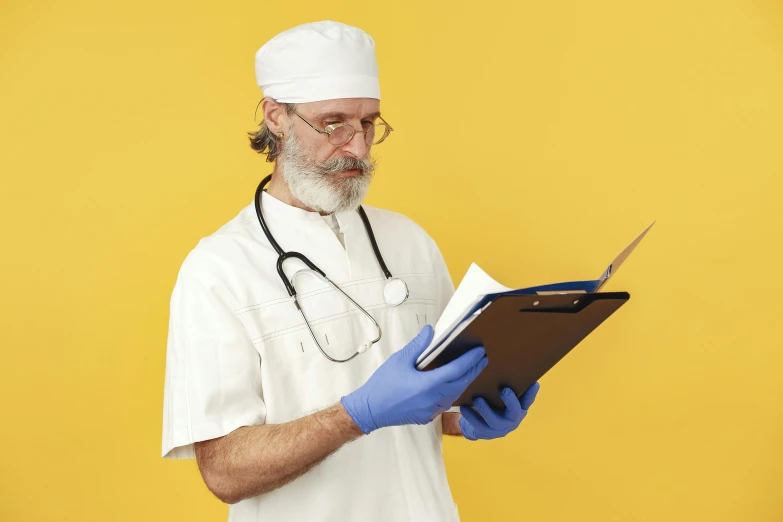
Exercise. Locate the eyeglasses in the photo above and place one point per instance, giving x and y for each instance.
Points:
(341, 133)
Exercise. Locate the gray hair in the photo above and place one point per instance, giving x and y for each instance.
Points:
(264, 140)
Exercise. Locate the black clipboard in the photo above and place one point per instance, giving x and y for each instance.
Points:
(524, 337)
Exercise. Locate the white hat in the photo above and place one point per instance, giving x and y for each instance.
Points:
(318, 61)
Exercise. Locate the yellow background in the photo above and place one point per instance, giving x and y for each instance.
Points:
(535, 138)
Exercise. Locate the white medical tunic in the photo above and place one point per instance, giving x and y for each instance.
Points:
(239, 354)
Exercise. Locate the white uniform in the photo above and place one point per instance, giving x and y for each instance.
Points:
(239, 354)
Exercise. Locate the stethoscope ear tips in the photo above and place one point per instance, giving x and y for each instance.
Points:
(364, 346)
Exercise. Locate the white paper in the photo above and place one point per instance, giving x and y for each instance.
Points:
(474, 286)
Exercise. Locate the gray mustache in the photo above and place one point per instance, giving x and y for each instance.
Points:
(335, 165)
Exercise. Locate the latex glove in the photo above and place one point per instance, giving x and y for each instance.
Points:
(491, 424)
(397, 393)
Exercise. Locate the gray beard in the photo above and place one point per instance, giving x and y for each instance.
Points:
(315, 184)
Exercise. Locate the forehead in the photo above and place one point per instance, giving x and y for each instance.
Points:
(351, 107)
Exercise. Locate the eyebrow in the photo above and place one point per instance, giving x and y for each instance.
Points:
(342, 115)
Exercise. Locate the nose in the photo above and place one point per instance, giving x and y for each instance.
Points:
(357, 146)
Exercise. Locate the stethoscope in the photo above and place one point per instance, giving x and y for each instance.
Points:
(394, 293)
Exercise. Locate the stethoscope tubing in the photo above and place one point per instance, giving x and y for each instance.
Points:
(282, 256)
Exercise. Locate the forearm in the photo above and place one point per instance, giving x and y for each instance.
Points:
(255, 459)
(451, 423)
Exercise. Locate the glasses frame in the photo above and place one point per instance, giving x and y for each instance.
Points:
(329, 129)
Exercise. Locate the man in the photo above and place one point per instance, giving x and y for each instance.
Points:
(261, 393)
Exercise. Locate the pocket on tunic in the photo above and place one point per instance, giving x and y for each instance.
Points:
(337, 324)
(338, 335)
(297, 378)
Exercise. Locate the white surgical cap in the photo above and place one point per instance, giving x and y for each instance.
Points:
(318, 61)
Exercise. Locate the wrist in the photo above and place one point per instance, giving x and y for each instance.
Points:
(346, 424)
(451, 424)
(358, 412)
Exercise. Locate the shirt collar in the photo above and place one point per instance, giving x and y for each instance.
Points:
(277, 210)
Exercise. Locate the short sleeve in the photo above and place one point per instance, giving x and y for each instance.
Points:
(213, 371)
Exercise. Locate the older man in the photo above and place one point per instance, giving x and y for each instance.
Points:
(271, 367)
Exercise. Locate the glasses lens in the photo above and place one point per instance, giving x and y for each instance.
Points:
(369, 134)
(341, 135)
(378, 133)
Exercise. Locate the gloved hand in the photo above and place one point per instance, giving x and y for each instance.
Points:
(492, 424)
(397, 393)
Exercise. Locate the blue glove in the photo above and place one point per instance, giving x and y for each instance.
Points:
(397, 393)
(492, 424)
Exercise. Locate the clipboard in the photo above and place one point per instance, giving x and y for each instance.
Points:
(524, 336)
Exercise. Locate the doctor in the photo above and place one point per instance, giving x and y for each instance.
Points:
(270, 367)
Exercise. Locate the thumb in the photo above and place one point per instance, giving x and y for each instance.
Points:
(418, 344)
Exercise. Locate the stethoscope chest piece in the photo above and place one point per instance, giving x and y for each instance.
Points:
(395, 292)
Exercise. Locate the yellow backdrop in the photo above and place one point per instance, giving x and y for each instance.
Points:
(534, 138)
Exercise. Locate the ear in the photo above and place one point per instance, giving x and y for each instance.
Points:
(274, 115)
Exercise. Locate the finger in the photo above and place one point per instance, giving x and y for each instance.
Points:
(492, 418)
(470, 375)
(455, 388)
(468, 431)
(514, 411)
(529, 396)
(457, 368)
(418, 344)
(478, 427)
(452, 390)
